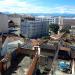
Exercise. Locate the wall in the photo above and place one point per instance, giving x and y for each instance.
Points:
(3, 23)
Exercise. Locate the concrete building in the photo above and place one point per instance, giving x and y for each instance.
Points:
(50, 19)
(16, 19)
(34, 29)
(3, 23)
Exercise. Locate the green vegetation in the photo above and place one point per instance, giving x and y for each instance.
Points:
(54, 28)
(66, 29)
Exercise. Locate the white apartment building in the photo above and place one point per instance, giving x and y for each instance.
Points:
(34, 28)
(50, 19)
(3, 23)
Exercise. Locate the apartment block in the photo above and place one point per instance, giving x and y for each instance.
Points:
(50, 19)
(34, 28)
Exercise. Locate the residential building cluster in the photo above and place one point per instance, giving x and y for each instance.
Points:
(34, 28)
(23, 51)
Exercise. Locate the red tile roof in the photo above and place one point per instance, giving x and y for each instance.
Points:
(57, 36)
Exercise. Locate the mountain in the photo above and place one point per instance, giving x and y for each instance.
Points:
(53, 14)
(44, 14)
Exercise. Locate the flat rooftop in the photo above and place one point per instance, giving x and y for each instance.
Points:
(20, 66)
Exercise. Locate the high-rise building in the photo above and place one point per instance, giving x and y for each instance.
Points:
(34, 28)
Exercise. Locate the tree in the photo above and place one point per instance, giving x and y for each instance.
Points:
(66, 28)
(54, 28)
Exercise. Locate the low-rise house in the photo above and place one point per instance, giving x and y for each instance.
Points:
(16, 19)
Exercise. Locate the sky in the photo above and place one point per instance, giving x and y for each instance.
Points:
(38, 6)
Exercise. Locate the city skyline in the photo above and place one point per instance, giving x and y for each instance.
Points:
(37, 6)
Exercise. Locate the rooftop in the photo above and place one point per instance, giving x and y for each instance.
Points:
(32, 42)
(20, 66)
(56, 36)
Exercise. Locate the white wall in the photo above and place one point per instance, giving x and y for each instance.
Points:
(60, 20)
(16, 20)
(3, 23)
(9, 46)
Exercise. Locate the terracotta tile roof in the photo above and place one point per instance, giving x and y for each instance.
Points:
(57, 36)
(37, 42)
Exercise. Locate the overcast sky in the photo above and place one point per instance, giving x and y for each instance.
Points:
(37, 6)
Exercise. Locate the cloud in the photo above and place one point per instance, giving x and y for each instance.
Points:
(16, 6)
